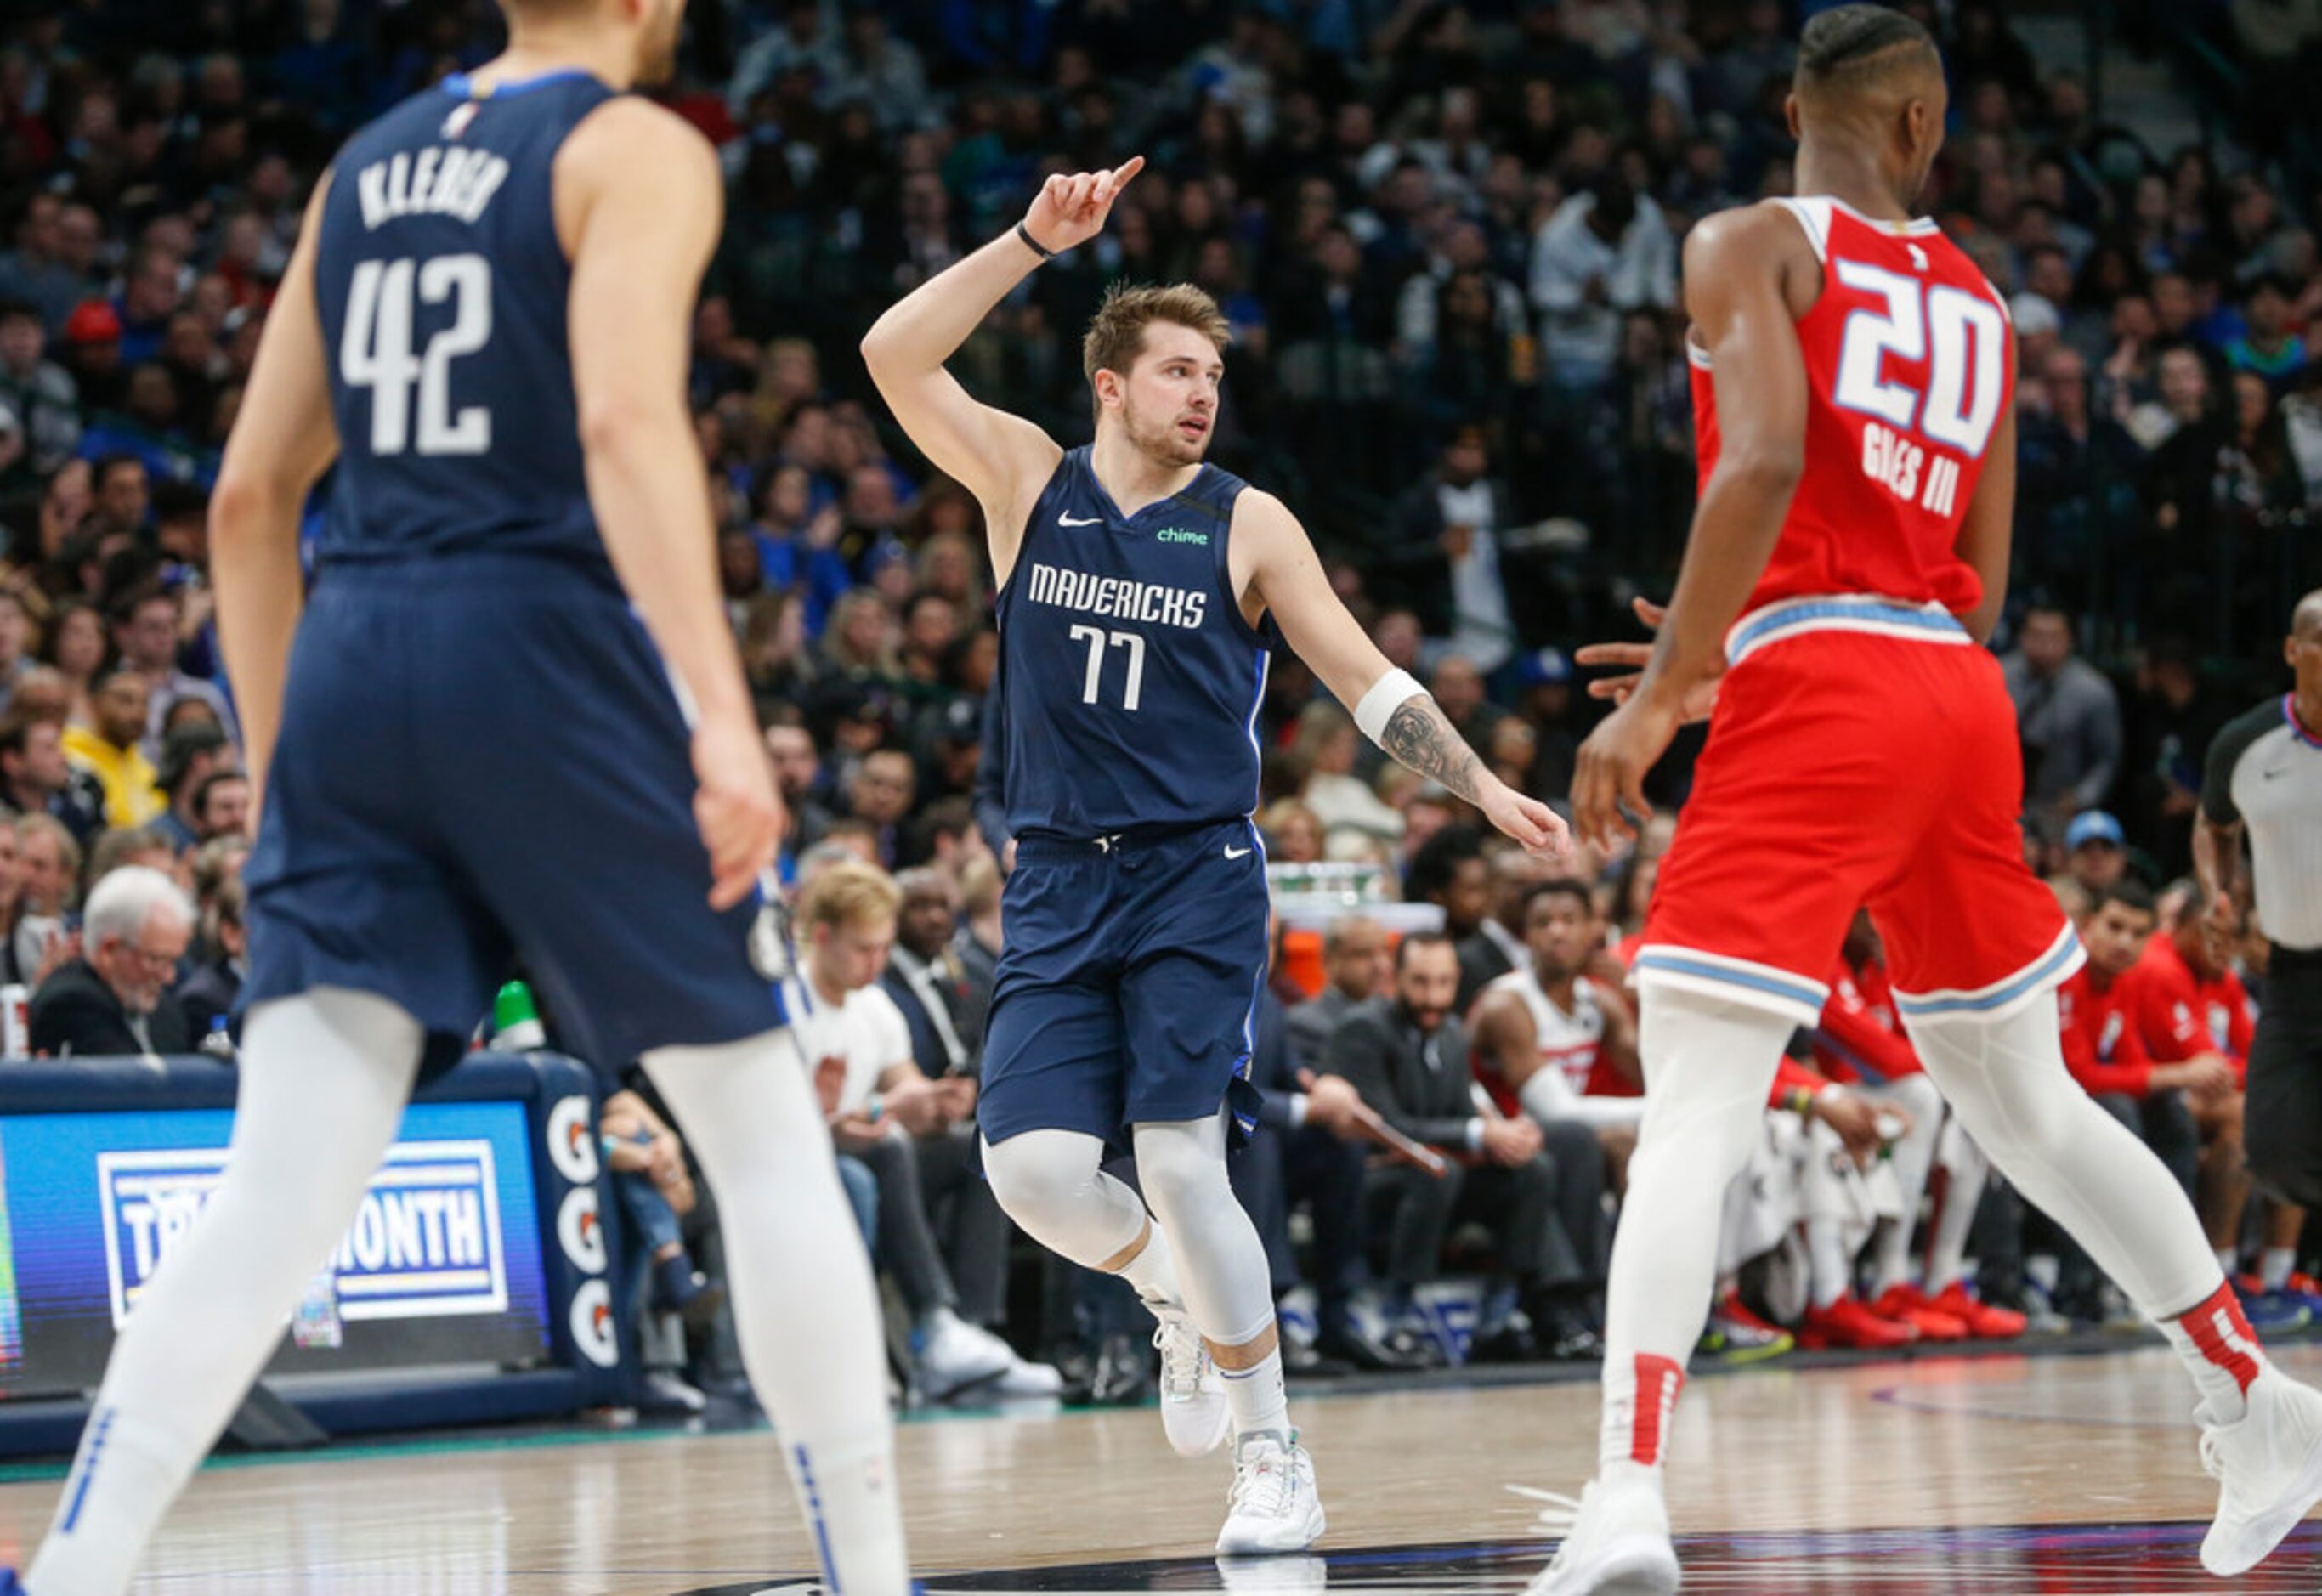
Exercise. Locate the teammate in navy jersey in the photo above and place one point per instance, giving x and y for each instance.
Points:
(513, 722)
(1141, 595)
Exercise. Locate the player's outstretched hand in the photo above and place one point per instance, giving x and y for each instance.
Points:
(735, 806)
(1069, 210)
(1632, 657)
(1540, 830)
(1608, 786)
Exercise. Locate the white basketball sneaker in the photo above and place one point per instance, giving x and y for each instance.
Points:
(2268, 1465)
(1273, 1507)
(1193, 1413)
(1616, 1541)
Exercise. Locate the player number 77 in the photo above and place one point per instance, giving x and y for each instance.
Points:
(1099, 640)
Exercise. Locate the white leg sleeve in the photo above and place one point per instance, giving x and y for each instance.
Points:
(805, 1308)
(1709, 1064)
(323, 1080)
(2006, 1079)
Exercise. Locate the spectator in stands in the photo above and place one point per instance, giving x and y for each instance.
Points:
(222, 804)
(145, 632)
(112, 1000)
(1409, 1060)
(924, 976)
(111, 750)
(190, 756)
(74, 642)
(146, 845)
(916, 1135)
(36, 778)
(2096, 852)
(656, 1191)
(880, 795)
(1328, 744)
(48, 866)
(976, 945)
(1446, 552)
(2069, 718)
(1605, 251)
(1358, 966)
(209, 994)
(1451, 872)
(40, 394)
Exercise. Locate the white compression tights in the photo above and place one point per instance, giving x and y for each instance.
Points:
(1710, 1065)
(1049, 1181)
(2006, 1080)
(324, 1080)
(806, 1309)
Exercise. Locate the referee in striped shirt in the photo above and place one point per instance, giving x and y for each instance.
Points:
(2263, 777)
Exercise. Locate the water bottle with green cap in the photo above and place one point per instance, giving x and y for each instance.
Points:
(515, 1020)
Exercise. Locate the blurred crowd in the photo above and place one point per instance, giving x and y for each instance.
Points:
(1446, 236)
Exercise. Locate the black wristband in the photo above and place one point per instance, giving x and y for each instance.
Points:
(1032, 243)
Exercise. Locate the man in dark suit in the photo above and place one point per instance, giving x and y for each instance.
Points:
(1408, 1057)
(1358, 966)
(111, 1001)
(925, 977)
(1310, 1148)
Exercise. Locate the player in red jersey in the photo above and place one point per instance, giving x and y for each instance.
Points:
(1847, 561)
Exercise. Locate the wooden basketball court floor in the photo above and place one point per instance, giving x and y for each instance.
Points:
(2046, 1474)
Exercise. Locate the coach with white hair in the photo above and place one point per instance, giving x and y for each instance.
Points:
(111, 1000)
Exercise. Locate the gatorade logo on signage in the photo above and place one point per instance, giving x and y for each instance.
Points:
(572, 1140)
(581, 1230)
(426, 1242)
(592, 1324)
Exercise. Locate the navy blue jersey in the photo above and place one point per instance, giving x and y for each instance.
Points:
(1129, 680)
(441, 286)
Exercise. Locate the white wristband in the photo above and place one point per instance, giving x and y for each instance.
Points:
(1388, 694)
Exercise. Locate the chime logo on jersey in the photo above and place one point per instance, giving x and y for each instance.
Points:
(426, 1242)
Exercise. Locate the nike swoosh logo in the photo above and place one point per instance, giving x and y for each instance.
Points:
(1237, 853)
(1065, 520)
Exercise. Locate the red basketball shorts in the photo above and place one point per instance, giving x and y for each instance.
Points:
(1863, 752)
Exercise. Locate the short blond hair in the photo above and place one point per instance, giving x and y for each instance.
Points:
(1116, 337)
(849, 894)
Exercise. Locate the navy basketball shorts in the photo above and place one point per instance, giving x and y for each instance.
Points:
(482, 759)
(1127, 983)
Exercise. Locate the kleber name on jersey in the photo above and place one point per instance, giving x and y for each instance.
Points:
(426, 1242)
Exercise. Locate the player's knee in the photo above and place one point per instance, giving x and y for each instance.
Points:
(1177, 1171)
(1035, 1174)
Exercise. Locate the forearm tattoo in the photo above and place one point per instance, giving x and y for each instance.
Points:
(1418, 736)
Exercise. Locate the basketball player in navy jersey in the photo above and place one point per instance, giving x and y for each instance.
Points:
(513, 721)
(1141, 595)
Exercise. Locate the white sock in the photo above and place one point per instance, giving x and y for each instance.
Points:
(805, 1308)
(2275, 1266)
(2226, 1261)
(1256, 1399)
(1710, 1065)
(2006, 1079)
(1153, 1271)
(1966, 1168)
(323, 1080)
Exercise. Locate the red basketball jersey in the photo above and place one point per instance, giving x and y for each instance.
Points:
(1909, 374)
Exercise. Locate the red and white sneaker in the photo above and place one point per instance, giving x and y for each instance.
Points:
(1847, 1323)
(2268, 1465)
(1906, 1304)
(1983, 1322)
